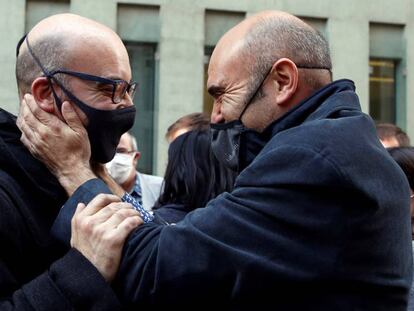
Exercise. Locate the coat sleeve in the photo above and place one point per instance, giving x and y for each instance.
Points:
(272, 230)
(61, 228)
(70, 283)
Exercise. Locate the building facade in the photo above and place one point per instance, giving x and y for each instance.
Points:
(170, 42)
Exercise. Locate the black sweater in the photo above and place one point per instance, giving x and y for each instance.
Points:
(36, 273)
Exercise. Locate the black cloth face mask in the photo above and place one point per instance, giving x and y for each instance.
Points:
(236, 146)
(105, 127)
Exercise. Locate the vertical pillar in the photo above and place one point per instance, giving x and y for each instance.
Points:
(349, 44)
(181, 52)
(11, 30)
(409, 35)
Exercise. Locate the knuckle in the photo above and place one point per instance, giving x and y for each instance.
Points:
(25, 114)
(125, 213)
(133, 223)
(101, 196)
(114, 206)
(86, 225)
(23, 138)
(74, 222)
(100, 232)
(43, 135)
(109, 238)
(99, 199)
(110, 209)
(35, 109)
(22, 125)
(55, 128)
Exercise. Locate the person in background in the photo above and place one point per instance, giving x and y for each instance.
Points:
(122, 168)
(193, 121)
(391, 135)
(404, 156)
(192, 178)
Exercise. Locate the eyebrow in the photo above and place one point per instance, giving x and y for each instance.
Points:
(117, 78)
(113, 78)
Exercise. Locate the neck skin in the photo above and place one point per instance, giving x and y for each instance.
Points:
(128, 185)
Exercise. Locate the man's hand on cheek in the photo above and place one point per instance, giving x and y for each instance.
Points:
(63, 147)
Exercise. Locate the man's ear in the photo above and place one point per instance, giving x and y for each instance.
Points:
(43, 95)
(286, 78)
(136, 158)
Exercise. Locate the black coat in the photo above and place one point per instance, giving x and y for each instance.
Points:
(170, 213)
(319, 220)
(36, 273)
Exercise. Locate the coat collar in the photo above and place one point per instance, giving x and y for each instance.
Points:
(332, 97)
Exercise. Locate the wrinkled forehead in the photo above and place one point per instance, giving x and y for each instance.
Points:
(228, 62)
(100, 56)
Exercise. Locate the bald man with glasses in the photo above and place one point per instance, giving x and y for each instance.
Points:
(77, 70)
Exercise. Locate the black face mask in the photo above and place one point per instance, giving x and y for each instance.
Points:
(236, 146)
(105, 127)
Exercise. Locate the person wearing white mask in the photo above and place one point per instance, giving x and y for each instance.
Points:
(122, 168)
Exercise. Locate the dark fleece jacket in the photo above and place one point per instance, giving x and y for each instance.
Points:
(36, 273)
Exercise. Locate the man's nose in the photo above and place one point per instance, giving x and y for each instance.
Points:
(125, 102)
(216, 114)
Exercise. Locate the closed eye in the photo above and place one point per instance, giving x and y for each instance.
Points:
(105, 87)
(215, 91)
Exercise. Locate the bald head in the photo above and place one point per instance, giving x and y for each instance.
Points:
(271, 59)
(262, 39)
(64, 41)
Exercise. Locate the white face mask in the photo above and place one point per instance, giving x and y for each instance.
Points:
(120, 167)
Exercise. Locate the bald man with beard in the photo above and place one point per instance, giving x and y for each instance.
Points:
(63, 58)
(319, 216)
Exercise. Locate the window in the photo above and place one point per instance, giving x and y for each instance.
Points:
(387, 81)
(139, 26)
(382, 103)
(217, 23)
(38, 10)
(142, 59)
(208, 100)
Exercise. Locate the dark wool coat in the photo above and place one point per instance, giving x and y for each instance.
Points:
(319, 220)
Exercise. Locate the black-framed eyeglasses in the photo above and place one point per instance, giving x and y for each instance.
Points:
(119, 87)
